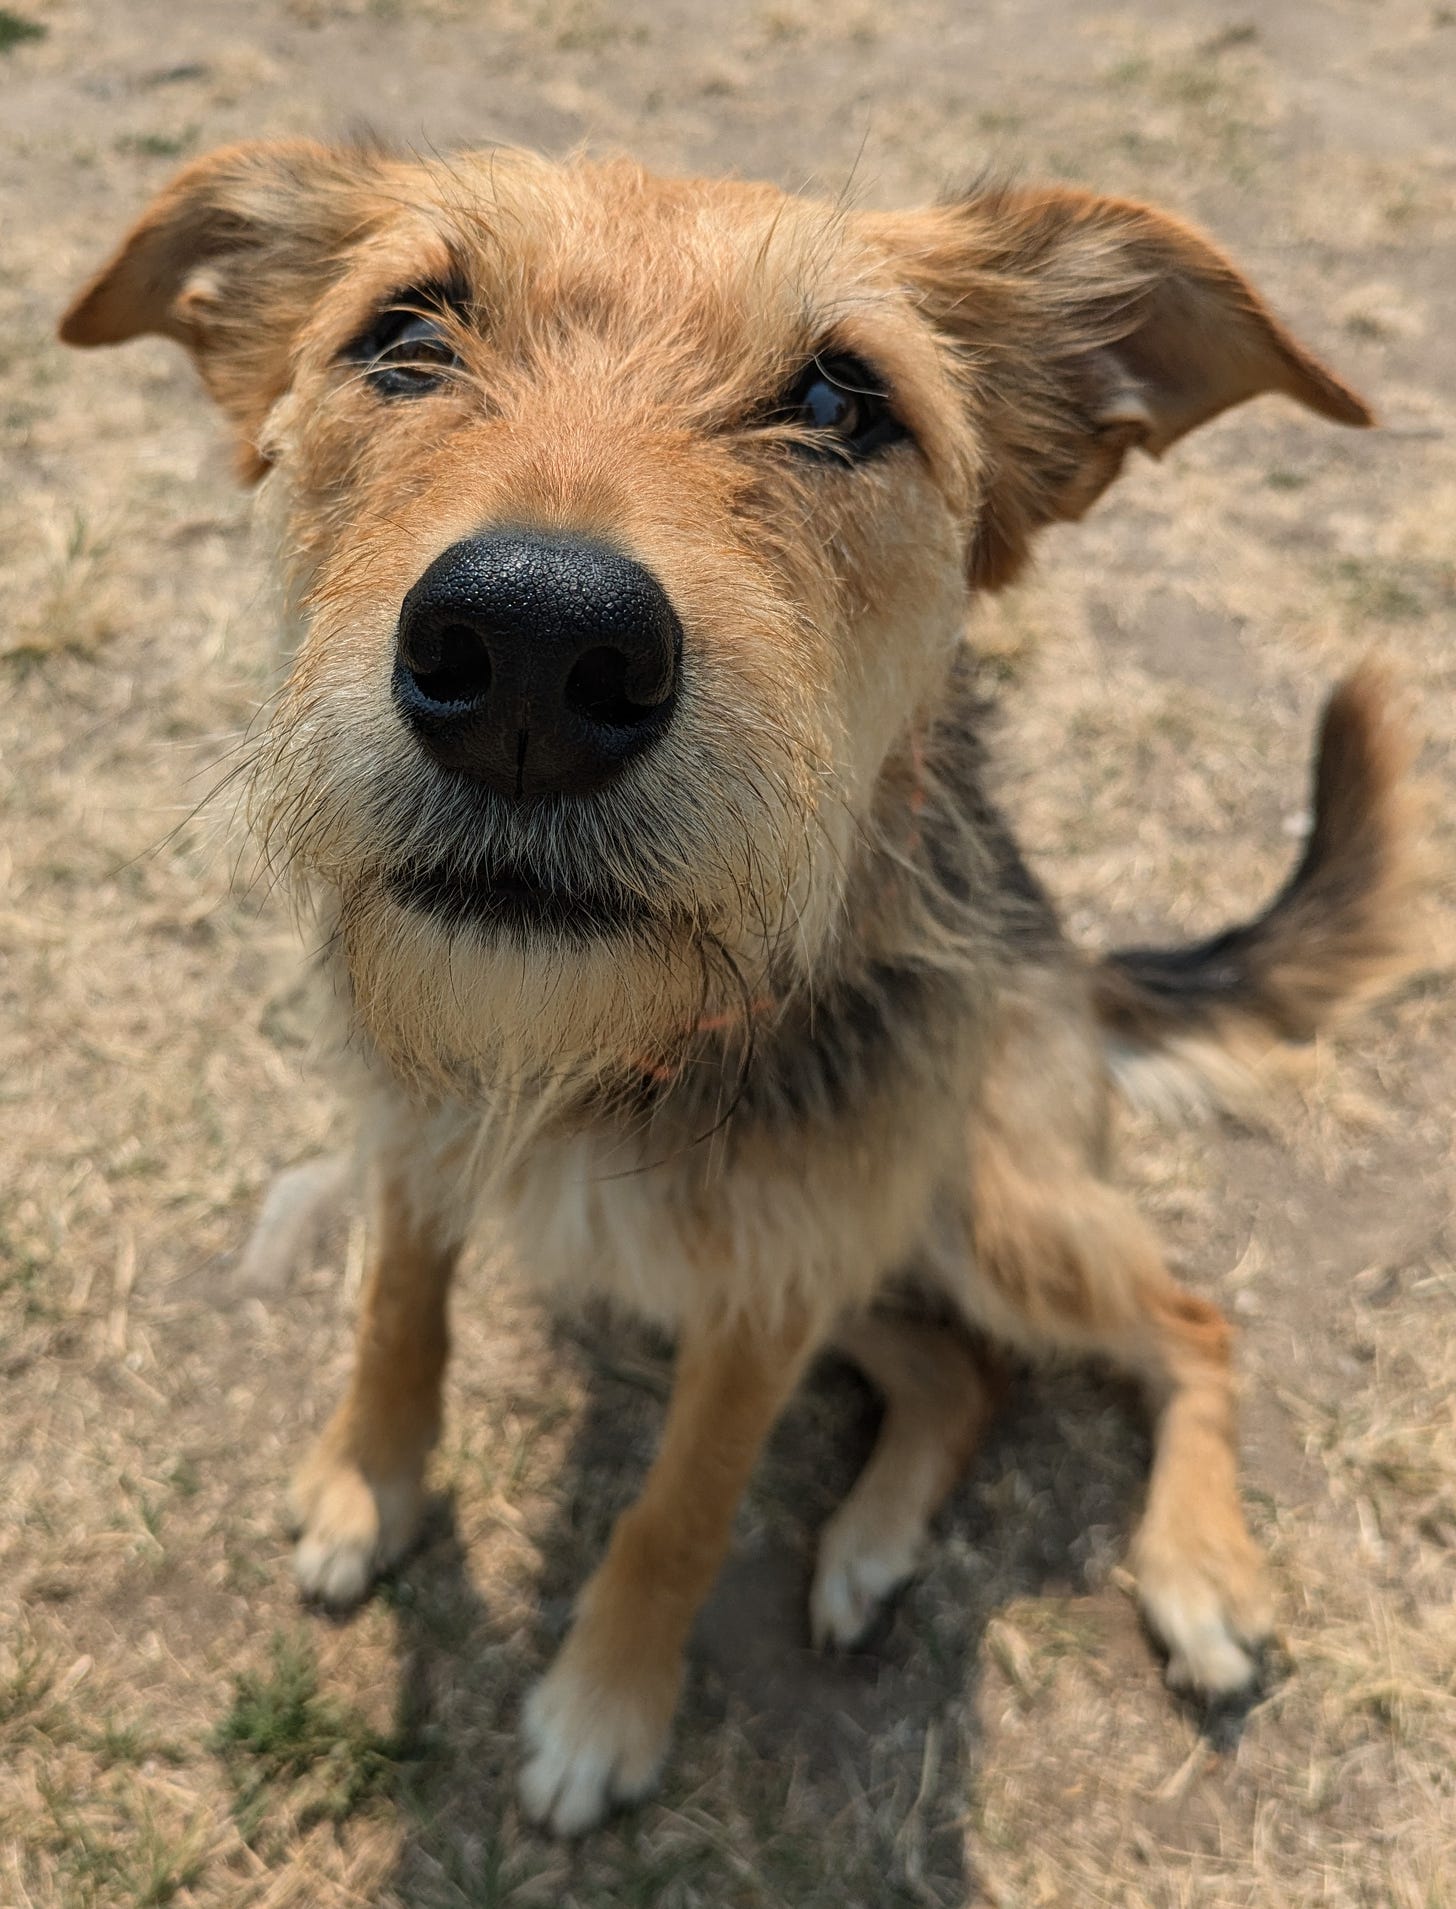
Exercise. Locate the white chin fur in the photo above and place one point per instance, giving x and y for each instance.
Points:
(456, 1007)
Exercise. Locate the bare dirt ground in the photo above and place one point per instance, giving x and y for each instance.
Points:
(173, 1728)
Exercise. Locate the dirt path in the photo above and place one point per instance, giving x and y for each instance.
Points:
(1009, 1742)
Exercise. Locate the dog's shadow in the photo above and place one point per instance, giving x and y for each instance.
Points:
(794, 1778)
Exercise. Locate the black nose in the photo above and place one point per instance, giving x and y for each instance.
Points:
(538, 663)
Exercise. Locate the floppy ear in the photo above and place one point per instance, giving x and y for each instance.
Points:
(229, 260)
(1086, 327)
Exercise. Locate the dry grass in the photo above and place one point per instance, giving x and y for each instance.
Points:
(172, 1727)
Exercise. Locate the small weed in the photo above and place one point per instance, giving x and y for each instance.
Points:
(1367, 325)
(282, 1735)
(120, 1852)
(482, 1871)
(15, 30)
(1403, 207)
(157, 145)
(185, 1478)
(77, 606)
(1238, 33)
(148, 1510)
(244, 1573)
(1377, 590)
(1130, 72)
(116, 1744)
(1284, 480)
(1193, 86)
(25, 1274)
(174, 75)
(25, 1687)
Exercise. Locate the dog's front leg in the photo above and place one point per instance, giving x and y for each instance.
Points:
(357, 1497)
(596, 1727)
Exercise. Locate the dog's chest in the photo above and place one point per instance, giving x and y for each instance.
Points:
(581, 1223)
(811, 1218)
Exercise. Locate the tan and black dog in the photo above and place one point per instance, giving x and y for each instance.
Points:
(630, 758)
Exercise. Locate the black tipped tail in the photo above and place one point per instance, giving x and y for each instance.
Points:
(1337, 932)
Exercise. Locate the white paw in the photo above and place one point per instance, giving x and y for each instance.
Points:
(589, 1746)
(349, 1530)
(301, 1202)
(855, 1573)
(1212, 1616)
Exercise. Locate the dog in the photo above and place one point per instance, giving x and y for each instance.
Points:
(632, 759)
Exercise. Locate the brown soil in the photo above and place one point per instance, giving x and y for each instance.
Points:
(1009, 1740)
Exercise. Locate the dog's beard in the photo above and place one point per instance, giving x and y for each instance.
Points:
(493, 948)
(502, 1013)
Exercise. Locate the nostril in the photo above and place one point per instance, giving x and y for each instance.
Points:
(598, 689)
(453, 666)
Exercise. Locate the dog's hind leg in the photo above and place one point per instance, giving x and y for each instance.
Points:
(1200, 1577)
(939, 1395)
(596, 1727)
(357, 1497)
(1065, 1264)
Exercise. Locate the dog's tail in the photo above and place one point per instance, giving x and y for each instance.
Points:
(1184, 1023)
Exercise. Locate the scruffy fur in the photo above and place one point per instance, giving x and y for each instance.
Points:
(840, 1080)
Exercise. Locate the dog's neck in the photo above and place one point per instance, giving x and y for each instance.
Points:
(938, 898)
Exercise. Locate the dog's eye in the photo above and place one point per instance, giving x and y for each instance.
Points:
(405, 352)
(844, 404)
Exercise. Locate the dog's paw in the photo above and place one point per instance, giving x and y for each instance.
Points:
(857, 1572)
(1208, 1603)
(593, 1737)
(349, 1528)
(300, 1203)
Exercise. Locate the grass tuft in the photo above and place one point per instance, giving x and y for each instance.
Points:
(15, 30)
(1379, 590)
(25, 1687)
(157, 145)
(282, 1741)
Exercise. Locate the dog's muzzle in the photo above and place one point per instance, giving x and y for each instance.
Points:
(536, 663)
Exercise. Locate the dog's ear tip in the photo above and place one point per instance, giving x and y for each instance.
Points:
(76, 329)
(75, 325)
(1358, 412)
(98, 314)
(91, 320)
(1313, 384)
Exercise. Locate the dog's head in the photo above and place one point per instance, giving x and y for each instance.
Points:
(633, 524)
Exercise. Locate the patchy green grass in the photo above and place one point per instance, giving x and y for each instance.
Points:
(15, 30)
(25, 1687)
(158, 145)
(78, 604)
(1387, 592)
(285, 1743)
(107, 1853)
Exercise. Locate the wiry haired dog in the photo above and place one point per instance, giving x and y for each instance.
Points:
(630, 755)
